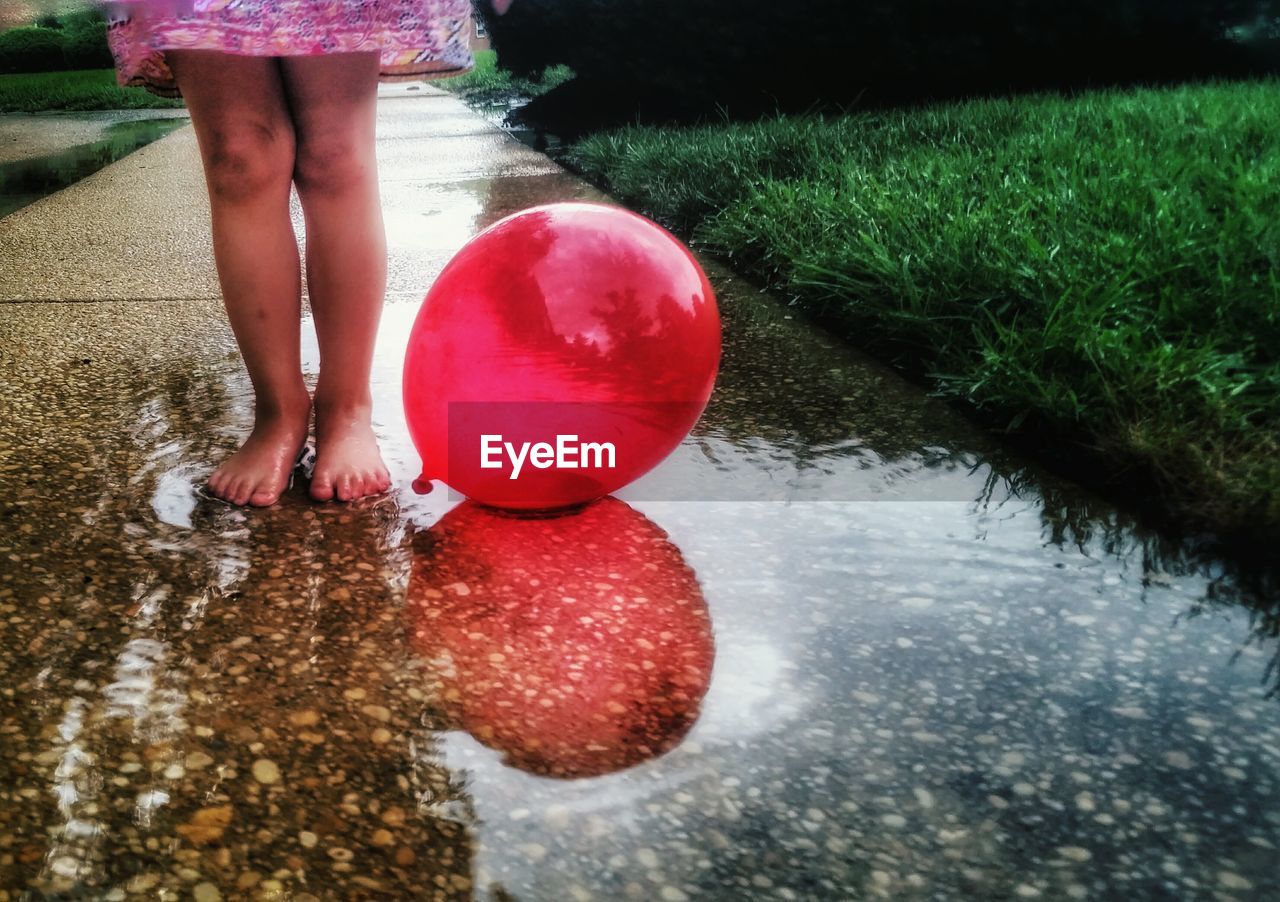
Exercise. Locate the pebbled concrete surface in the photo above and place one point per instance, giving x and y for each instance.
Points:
(27, 135)
(139, 229)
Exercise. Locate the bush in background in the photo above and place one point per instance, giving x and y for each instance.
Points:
(682, 59)
(85, 47)
(31, 49)
(75, 40)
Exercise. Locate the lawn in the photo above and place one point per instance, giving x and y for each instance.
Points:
(91, 89)
(488, 80)
(1097, 275)
(96, 89)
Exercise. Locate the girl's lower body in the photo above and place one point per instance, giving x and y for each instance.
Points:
(282, 94)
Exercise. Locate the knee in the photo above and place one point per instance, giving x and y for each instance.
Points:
(249, 160)
(329, 165)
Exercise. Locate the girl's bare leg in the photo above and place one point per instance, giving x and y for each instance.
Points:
(246, 139)
(332, 99)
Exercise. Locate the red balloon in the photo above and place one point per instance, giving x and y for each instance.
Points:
(561, 354)
(576, 646)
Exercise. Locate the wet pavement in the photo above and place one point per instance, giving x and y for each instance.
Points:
(26, 136)
(43, 153)
(841, 644)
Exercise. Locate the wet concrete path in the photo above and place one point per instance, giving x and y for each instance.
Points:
(27, 136)
(41, 153)
(868, 654)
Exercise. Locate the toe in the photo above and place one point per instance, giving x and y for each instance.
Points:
(344, 487)
(264, 496)
(322, 487)
(240, 492)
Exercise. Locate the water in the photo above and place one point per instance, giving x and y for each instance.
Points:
(901, 694)
(23, 182)
(499, 110)
(873, 654)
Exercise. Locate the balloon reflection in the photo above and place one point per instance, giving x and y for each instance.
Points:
(576, 646)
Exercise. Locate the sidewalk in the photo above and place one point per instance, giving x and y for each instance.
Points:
(28, 135)
(125, 232)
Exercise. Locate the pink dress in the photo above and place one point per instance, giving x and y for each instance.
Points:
(417, 39)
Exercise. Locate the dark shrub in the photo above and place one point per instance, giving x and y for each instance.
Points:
(31, 49)
(80, 19)
(75, 40)
(85, 46)
(685, 57)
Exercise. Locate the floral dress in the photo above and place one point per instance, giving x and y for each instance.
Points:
(417, 39)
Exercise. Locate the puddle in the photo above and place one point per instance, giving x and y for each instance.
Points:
(840, 644)
(498, 112)
(24, 182)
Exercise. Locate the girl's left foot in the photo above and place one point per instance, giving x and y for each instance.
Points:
(348, 462)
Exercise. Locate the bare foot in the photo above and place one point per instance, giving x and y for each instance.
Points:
(348, 462)
(259, 471)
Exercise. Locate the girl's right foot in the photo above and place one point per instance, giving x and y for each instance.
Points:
(258, 473)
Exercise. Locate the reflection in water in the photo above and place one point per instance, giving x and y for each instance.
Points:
(576, 646)
(24, 182)
(143, 692)
(72, 849)
(238, 703)
(501, 111)
(1232, 578)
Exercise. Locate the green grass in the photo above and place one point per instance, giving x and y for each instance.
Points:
(1096, 274)
(92, 89)
(96, 89)
(486, 76)
(487, 79)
